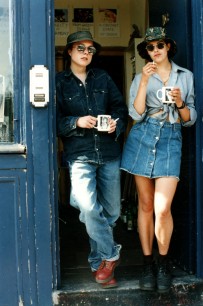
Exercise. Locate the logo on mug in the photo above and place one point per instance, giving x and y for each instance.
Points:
(163, 94)
(103, 123)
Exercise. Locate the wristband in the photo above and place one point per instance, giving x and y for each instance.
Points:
(182, 106)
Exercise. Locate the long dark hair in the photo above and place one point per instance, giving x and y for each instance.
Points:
(141, 48)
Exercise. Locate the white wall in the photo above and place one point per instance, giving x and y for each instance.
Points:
(129, 12)
(139, 14)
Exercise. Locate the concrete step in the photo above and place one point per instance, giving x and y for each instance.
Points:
(79, 288)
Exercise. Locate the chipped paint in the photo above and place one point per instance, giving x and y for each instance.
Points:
(55, 297)
(20, 301)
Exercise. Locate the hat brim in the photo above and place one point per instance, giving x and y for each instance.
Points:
(95, 44)
(141, 47)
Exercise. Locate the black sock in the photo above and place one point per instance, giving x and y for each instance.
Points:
(163, 258)
(148, 259)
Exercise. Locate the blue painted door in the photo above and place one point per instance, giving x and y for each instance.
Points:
(28, 222)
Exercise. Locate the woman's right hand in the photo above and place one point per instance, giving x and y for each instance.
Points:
(87, 122)
(149, 69)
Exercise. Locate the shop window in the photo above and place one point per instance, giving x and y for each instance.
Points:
(6, 72)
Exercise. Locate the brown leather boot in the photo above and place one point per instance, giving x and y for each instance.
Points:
(105, 273)
(111, 284)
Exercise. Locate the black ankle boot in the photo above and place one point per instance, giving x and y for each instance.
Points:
(148, 279)
(164, 278)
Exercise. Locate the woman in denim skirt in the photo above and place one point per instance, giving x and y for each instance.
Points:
(161, 100)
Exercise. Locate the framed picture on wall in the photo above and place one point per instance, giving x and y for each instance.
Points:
(61, 26)
(83, 20)
(108, 23)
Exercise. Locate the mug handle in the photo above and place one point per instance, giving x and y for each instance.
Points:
(157, 94)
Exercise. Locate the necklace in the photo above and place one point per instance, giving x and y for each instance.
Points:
(165, 74)
(165, 82)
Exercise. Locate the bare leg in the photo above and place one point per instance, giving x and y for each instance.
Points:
(164, 192)
(145, 190)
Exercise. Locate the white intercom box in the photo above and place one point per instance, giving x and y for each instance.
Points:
(39, 85)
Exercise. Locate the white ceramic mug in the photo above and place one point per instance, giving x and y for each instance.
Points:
(103, 123)
(163, 94)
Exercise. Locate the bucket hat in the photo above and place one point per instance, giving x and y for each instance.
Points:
(156, 33)
(79, 36)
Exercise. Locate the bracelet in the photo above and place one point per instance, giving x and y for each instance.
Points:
(182, 106)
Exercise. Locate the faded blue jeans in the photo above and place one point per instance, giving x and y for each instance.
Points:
(95, 191)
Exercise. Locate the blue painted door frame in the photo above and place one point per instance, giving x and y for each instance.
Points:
(35, 46)
(41, 142)
(28, 179)
(28, 214)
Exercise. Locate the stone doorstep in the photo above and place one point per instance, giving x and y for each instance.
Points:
(186, 290)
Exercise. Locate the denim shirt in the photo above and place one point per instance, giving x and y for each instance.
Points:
(179, 77)
(98, 96)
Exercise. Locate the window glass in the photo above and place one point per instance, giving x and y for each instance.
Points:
(6, 72)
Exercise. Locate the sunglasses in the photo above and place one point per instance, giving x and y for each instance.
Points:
(91, 50)
(151, 48)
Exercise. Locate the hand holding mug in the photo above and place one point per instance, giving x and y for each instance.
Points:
(164, 94)
(176, 95)
(169, 94)
(87, 122)
(103, 123)
(113, 123)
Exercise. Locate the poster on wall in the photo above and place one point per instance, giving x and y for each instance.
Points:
(83, 20)
(108, 23)
(61, 26)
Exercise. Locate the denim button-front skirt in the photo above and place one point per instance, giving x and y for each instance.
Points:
(153, 149)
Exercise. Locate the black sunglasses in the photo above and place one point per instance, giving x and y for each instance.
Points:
(91, 50)
(151, 48)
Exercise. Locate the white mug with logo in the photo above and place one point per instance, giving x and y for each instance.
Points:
(103, 123)
(163, 94)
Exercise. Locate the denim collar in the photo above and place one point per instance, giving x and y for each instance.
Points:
(69, 72)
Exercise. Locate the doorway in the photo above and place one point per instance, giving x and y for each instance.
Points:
(74, 244)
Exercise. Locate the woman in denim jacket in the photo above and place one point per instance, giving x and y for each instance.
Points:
(93, 156)
(153, 148)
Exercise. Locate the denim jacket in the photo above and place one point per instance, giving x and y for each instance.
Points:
(98, 96)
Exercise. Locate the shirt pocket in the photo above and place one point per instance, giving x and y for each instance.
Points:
(101, 99)
(74, 104)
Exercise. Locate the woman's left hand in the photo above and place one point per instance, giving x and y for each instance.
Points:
(113, 124)
(176, 96)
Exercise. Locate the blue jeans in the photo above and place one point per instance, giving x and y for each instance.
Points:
(95, 191)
